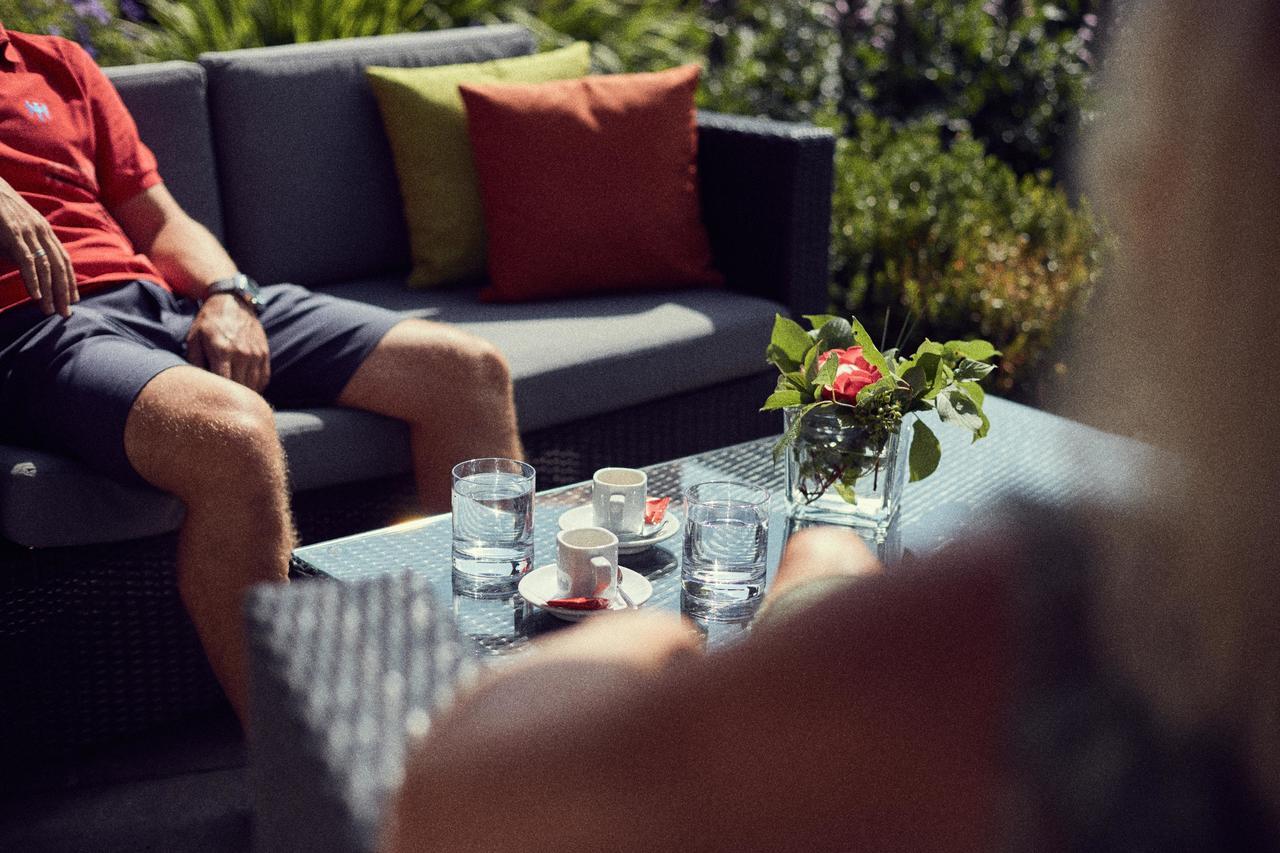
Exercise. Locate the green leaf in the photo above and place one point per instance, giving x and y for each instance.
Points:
(809, 366)
(928, 346)
(827, 372)
(925, 375)
(794, 380)
(926, 452)
(781, 400)
(846, 492)
(870, 351)
(974, 390)
(978, 350)
(793, 431)
(955, 407)
(817, 321)
(788, 344)
(969, 369)
(836, 333)
(881, 384)
(979, 397)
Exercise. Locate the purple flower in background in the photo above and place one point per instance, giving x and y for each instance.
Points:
(133, 10)
(91, 9)
(85, 40)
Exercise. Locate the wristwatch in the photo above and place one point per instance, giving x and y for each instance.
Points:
(241, 286)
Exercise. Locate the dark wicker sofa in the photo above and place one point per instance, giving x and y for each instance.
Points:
(273, 149)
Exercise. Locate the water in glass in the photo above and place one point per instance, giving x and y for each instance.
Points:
(725, 549)
(492, 522)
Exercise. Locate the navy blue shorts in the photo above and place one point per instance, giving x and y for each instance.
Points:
(67, 384)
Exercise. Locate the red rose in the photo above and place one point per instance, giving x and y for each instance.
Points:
(853, 374)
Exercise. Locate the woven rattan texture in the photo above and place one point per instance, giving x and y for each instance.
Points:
(93, 643)
(342, 677)
(765, 186)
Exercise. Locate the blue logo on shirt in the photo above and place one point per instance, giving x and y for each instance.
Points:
(38, 110)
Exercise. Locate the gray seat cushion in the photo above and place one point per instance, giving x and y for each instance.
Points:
(167, 102)
(570, 359)
(308, 185)
(573, 358)
(48, 501)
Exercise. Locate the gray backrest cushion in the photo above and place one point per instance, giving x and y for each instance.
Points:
(308, 184)
(167, 101)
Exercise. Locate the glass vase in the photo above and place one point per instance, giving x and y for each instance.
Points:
(836, 475)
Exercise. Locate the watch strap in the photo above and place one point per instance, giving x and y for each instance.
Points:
(239, 285)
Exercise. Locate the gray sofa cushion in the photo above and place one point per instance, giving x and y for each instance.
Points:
(567, 358)
(308, 184)
(167, 101)
(573, 358)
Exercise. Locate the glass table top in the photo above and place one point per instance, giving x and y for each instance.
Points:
(1029, 454)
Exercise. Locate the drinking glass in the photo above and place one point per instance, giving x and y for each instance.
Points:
(726, 540)
(492, 523)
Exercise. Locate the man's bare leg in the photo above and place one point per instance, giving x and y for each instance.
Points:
(454, 389)
(213, 443)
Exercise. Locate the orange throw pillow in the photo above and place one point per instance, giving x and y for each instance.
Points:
(589, 185)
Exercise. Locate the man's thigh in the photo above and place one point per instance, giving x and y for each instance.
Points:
(67, 384)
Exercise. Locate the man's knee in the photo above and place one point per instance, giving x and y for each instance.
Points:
(487, 365)
(219, 438)
(470, 361)
(237, 439)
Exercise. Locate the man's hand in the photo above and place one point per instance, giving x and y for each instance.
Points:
(227, 339)
(27, 237)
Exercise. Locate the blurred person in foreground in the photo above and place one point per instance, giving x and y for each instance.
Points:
(1109, 681)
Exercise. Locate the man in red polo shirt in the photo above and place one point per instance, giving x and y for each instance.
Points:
(129, 340)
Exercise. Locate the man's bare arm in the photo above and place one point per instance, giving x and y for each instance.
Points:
(226, 337)
(183, 250)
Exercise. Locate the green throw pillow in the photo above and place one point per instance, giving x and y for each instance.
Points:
(427, 125)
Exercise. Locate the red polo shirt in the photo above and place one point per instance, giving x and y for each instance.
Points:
(71, 149)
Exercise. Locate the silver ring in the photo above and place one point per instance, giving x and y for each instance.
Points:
(39, 253)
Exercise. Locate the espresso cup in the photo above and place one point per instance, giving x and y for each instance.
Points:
(618, 500)
(587, 563)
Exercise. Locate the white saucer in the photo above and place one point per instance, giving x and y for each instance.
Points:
(583, 516)
(540, 584)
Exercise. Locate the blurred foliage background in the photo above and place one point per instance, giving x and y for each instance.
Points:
(955, 120)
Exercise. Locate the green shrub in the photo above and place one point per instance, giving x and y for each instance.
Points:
(186, 28)
(97, 25)
(1011, 74)
(780, 60)
(627, 34)
(951, 237)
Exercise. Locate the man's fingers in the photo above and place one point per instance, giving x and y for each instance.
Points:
(30, 278)
(195, 352)
(259, 372)
(55, 271)
(54, 282)
(33, 262)
(240, 369)
(221, 365)
(62, 269)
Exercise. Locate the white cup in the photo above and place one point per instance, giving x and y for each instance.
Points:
(618, 500)
(587, 563)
